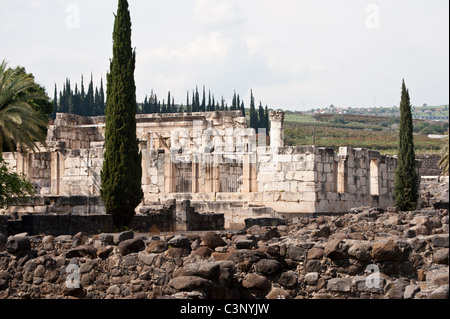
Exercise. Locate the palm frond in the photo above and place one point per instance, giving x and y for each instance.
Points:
(20, 124)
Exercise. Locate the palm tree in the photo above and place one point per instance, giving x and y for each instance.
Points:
(21, 126)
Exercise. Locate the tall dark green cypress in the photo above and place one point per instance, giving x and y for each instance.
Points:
(102, 97)
(253, 114)
(89, 99)
(261, 117)
(121, 174)
(55, 103)
(266, 119)
(406, 187)
(203, 106)
(242, 109)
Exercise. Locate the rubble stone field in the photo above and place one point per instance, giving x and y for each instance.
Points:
(367, 253)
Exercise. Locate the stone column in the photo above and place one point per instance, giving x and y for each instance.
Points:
(169, 174)
(195, 177)
(56, 172)
(276, 128)
(249, 183)
(215, 177)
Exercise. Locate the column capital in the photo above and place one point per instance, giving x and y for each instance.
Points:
(277, 115)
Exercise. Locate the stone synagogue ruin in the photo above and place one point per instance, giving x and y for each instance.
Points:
(211, 159)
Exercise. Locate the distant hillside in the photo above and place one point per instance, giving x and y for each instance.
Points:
(366, 131)
(425, 112)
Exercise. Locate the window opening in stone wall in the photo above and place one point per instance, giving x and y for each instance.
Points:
(183, 178)
(231, 177)
(374, 182)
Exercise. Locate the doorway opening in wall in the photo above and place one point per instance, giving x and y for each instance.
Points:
(374, 179)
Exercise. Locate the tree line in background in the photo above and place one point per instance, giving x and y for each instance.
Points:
(93, 103)
(152, 104)
(257, 118)
(78, 101)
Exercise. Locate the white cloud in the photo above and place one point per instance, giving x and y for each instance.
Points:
(212, 47)
(287, 51)
(218, 12)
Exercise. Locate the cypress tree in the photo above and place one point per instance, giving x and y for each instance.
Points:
(145, 107)
(97, 106)
(89, 100)
(77, 101)
(169, 107)
(266, 119)
(234, 102)
(203, 106)
(406, 187)
(262, 121)
(102, 98)
(209, 106)
(253, 113)
(197, 100)
(242, 109)
(188, 106)
(55, 103)
(122, 172)
(83, 98)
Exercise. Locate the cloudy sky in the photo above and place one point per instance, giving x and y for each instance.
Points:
(293, 54)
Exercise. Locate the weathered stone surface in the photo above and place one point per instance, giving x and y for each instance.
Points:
(255, 281)
(411, 291)
(104, 252)
(312, 278)
(178, 253)
(441, 241)
(156, 247)
(189, 283)
(245, 254)
(3, 240)
(207, 270)
(288, 279)
(212, 240)
(245, 242)
(203, 252)
(315, 253)
(396, 289)
(278, 293)
(131, 246)
(120, 237)
(263, 233)
(333, 250)
(313, 265)
(18, 244)
(339, 284)
(106, 238)
(441, 256)
(386, 251)
(299, 264)
(359, 252)
(268, 267)
(440, 293)
(180, 242)
(296, 253)
(82, 251)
